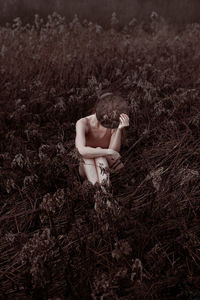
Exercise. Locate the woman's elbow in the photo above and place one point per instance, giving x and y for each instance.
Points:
(81, 150)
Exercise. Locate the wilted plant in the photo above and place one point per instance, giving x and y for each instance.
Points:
(156, 177)
(186, 174)
(37, 253)
(29, 181)
(50, 203)
(114, 20)
(51, 76)
(122, 248)
(18, 161)
(137, 270)
(10, 185)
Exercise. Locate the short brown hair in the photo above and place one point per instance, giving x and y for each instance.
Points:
(108, 108)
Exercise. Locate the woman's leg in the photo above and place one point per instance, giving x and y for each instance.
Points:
(116, 165)
(101, 162)
(88, 170)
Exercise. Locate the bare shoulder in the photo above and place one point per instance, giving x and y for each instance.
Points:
(82, 123)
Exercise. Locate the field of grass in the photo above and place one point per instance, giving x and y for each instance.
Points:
(61, 238)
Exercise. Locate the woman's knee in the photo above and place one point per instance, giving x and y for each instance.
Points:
(89, 162)
(102, 164)
(101, 160)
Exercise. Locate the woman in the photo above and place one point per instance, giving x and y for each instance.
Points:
(99, 137)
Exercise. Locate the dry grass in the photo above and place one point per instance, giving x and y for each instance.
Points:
(63, 238)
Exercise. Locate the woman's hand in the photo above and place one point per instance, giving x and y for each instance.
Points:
(113, 155)
(114, 160)
(124, 121)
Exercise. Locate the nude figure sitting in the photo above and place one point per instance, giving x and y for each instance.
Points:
(99, 137)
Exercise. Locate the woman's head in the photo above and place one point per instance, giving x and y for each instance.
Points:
(108, 109)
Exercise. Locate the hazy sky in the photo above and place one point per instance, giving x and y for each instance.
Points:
(178, 11)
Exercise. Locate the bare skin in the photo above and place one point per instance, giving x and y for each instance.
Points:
(99, 147)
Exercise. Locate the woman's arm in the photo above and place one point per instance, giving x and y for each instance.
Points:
(116, 138)
(85, 151)
(115, 141)
(89, 152)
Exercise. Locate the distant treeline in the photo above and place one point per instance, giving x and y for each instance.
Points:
(174, 11)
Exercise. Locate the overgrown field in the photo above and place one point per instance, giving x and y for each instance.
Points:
(61, 237)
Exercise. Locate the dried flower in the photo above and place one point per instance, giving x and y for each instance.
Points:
(195, 120)
(187, 174)
(159, 108)
(154, 15)
(3, 51)
(99, 29)
(43, 151)
(121, 248)
(10, 184)
(60, 105)
(18, 161)
(50, 203)
(10, 237)
(133, 22)
(30, 180)
(114, 21)
(137, 270)
(37, 251)
(155, 175)
(60, 148)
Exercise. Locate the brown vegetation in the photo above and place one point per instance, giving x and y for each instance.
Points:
(63, 238)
